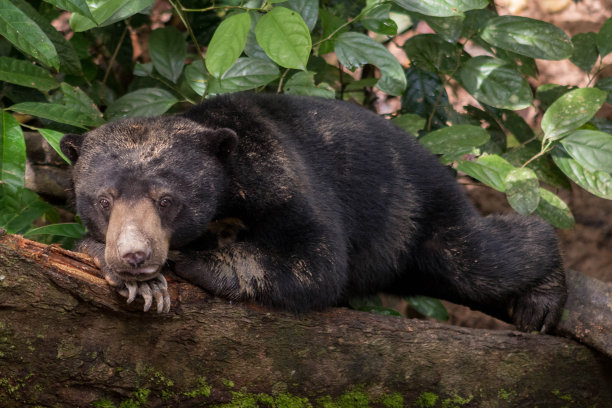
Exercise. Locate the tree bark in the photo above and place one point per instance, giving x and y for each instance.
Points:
(66, 339)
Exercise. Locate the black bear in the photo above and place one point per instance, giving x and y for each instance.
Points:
(332, 201)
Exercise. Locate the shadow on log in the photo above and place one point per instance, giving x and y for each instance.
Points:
(66, 339)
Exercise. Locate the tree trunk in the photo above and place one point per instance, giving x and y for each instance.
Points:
(66, 339)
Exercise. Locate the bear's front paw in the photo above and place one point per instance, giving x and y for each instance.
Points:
(539, 310)
(156, 288)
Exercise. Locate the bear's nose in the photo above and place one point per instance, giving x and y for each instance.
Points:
(135, 258)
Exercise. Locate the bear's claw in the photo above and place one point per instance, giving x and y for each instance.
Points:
(155, 288)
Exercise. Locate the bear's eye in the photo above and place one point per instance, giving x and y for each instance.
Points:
(104, 203)
(165, 202)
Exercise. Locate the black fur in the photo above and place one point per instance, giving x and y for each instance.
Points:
(335, 201)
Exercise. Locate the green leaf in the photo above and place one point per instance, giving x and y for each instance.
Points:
(227, 43)
(429, 307)
(547, 94)
(195, 74)
(410, 122)
(55, 112)
(72, 230)
(585, 51)
(554, 210)
(330, 23)
(591, 148)
(54, 137)
(441, 8)
(69, 60)
(12, 151)
(605, 84)
(143, 102)
(426, 96)
(143, 70)
(526, 36)
(245, 74)
(495, 82)
(355, 49)
(595, 182)
(377, 20)
(78, 100)
(168, 51)
(432, 53)
(102, 10)
(490, 170)
(448, 28)
(74, 6)
(26, 35)
(285, 38)
(79, 23)
(25, 73)
(571, 111)
(302, 83)
(252, 47)
(604, 38)
(127, 9)
(371, 304)
(522, 190)
(21, 207)
(308, 9)
(452, 138)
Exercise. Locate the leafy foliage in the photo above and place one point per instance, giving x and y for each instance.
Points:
(80, 77)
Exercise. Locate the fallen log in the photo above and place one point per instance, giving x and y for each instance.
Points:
(66, 339)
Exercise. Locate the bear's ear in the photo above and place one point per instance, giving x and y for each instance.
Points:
(70, 145)
(222, 142)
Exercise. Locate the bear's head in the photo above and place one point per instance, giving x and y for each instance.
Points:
(145, 185)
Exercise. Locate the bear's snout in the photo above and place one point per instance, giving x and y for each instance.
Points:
(136, 243)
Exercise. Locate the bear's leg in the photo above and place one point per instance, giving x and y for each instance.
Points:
(507, 266)
(300, 276)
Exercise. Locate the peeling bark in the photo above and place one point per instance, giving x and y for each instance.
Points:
(66, 339)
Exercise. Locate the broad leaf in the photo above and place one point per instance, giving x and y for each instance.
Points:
(591, 148)
(330, 23)
(102, 10)
(69, 60)
(429, 307)
(26, 35)
(604, 38)
(427, 97)
(54, 137)
(490, 170)
(285, 38)
(56, 112)
(168, 50)
(441, 8)
(432, 53)
(143, 102)
(245, 74)
(302, 83)
(453, 138)
(25, 73)
(554, 210)
(227, 43)
(371, 304)
(74, 6)
(495, 82)
(526, 36)
(377, 20)
(522, 190)
(598, 183)
(355, 49)
(72, 230)
(571, 111)
(21, 207)
(12, 151)
(410, 122)
(195, 74)
(449, 28)
(129, 8)
(308, 9)
(78, 100)
(585, 51)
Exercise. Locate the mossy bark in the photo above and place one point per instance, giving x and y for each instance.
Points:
(67, 340)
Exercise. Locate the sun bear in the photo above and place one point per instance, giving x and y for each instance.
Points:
(331, 201)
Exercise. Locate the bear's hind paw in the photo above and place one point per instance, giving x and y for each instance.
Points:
(538, 310)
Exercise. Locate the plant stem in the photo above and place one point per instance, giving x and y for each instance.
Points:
(114, 56)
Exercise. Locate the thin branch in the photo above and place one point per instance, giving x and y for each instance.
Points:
(114, 56)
